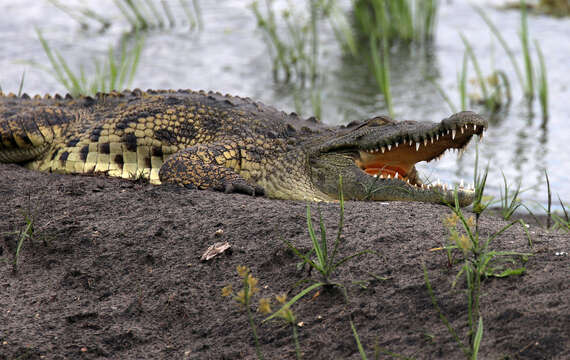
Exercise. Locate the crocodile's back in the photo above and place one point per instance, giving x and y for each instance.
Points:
(127, 134)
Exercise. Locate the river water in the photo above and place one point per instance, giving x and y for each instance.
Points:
(229, 55)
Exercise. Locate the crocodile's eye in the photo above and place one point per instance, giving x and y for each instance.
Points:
(379, 121)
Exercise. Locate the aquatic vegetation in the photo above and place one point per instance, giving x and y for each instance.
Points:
(115, 73)
(293, 38)
(542, 82)
(402, 21)
(141, 15)
(294, 44)
(528, 81)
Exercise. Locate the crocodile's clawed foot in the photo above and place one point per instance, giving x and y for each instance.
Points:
(243, 188)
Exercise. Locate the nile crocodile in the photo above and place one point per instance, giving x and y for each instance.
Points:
(212, 141)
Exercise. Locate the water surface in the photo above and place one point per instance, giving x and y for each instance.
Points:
(229, 55)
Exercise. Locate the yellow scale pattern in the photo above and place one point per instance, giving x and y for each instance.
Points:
(74, 143)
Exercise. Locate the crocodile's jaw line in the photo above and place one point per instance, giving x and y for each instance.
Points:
(387, 171)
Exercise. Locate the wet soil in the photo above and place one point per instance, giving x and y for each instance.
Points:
(113, 270)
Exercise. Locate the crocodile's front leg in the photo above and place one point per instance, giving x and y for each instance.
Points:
(213, 167)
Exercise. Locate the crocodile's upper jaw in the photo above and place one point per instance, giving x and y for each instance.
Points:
(397, 160)
(383, 155)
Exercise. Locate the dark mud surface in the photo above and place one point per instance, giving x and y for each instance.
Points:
(113, 271)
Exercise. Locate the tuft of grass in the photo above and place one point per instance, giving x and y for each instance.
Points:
(403, 21)
(294, 45)
(115, 73)
(293, 39)
(326, 262)
(140, 15)
(479, 262)
(509, 202)
(244, 299)
(381, 69)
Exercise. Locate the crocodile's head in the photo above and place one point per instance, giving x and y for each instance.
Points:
(377, 158)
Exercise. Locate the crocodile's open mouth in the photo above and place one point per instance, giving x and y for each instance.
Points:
(396, 159)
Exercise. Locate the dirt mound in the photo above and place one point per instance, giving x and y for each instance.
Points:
(114, 271)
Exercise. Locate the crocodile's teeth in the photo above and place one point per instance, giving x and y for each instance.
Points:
(417, 146)
(425, 142)
(389, 147)
(437, 137)
(474, 127)
(389, 176)
(396, 144)
(481, 136)
(375, 175)
(453, 132)
(461, 151)
(447, 132)
(411, 142)
(431, 139)
(383, 149)
(462, 129)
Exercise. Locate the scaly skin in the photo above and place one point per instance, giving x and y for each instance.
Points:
(221, 142)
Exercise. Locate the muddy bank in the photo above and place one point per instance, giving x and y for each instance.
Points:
(113, 271)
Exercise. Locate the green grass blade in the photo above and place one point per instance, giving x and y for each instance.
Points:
(320, 265)
(542, 82)
(503, 43)
(59, 75)
(358, 343)
(340, 221)
(295, 299)
(346, 258)
(529, 87)
(441, 315)
(136, 58)
(478, 338)
(463, 83)
(548, 211)
(444, 96)
(131, 20)
(302, 256)
(563, 208)
(21, 85)
(323, 243)
(76, 88)
(191, 19)
(478, 71)
(168, 13)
